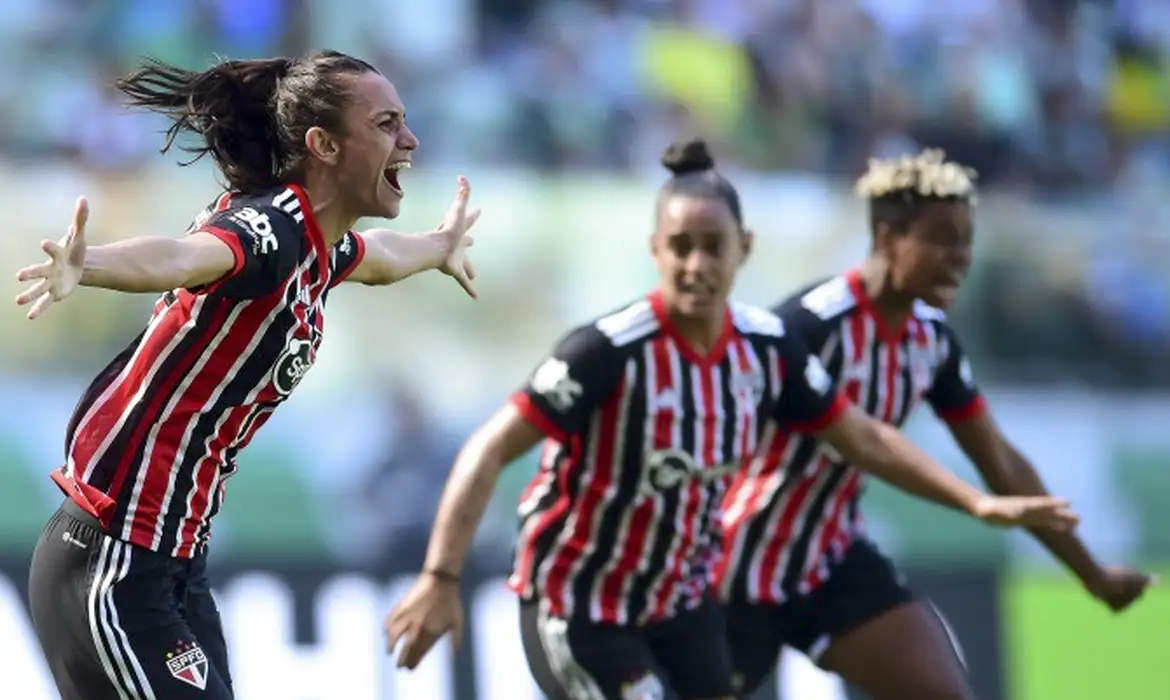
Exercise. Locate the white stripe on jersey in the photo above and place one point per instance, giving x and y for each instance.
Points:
(632, 323)
(163, 356)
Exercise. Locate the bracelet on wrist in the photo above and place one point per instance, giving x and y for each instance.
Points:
(442, 575)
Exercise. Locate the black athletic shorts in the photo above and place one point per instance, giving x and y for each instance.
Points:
(120, 622)
(682, 658)
(861, 586)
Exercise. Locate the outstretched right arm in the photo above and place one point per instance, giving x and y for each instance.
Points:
(497, 443)
(157, 263)
(242, 252)
(556, 403)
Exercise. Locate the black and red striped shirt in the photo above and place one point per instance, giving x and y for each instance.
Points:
(794, 511)
(155, 436)
(643, 435)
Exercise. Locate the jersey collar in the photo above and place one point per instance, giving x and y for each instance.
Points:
(313, 231)
(689, 352)
(865, 303)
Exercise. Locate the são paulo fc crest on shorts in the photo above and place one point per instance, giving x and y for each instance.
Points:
(187, 663)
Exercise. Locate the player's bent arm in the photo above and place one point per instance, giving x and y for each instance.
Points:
(497, 443)
(883, 451)
(157, 263)
(1008, 472)
(391, 256)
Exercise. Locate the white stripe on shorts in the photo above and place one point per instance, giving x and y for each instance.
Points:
(117, 656)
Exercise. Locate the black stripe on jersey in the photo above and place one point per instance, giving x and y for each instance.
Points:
(179, 360)
(543, 543)
(670, 500)
(100, 383)
(794, 572)
(609, 531)
(254, 371)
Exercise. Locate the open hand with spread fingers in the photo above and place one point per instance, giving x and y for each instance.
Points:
(56, 278)
(457, 222)
(431, 609)
(1026, 511)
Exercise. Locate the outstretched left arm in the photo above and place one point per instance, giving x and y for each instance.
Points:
(385, 256)
(1007, 472)
(391, 256)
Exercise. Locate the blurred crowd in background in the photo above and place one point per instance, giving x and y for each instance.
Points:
(1051, 94)
(559, 109)
(1062, 103)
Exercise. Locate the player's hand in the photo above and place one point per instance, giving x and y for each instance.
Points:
(1119, 587)
(56, 278)
(455, 226)
(1026, 511)
(431, 609)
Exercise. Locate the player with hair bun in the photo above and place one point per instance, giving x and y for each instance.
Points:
(797, 567)
(645, 414)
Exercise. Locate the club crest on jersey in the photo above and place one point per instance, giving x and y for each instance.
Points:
(188, 663)
(748, 387)
(292, 365)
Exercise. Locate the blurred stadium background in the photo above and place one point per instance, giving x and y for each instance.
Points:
(557, 111)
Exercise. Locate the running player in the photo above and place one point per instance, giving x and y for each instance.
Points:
(644, 414)
(118, 589)
(797, 567)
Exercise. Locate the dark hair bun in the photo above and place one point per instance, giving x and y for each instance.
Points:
(683, 157)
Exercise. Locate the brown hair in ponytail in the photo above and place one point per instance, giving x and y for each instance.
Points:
(251, 115)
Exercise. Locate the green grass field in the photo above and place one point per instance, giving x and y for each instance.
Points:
(1062, 645)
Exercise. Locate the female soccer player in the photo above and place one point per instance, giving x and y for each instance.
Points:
(644, 415)
(118, 589)
(797, 567)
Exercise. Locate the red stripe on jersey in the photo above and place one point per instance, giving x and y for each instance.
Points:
(238, 259)
(154, 480)
(740, 495)
(976, 407)
(595, 486)
(693, 496)
(105, 418)
(535, 416)
(249, 328)
(830, 525)
(789, 506)
(633, 535)
(169, 435)
(541, 484)
(522, 578)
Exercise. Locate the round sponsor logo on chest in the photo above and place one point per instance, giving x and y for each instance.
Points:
(292, 365)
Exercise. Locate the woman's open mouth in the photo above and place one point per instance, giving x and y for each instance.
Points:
(390, 175)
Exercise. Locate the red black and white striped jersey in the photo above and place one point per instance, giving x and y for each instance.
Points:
(155, 436)
(792, 513)
(644, 434)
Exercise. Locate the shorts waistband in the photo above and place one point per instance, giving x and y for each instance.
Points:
(70, 508)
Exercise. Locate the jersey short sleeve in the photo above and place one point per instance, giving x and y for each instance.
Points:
(954, 395)
(566, 388)
(266, 243)
(346, 255)
(809, 400)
